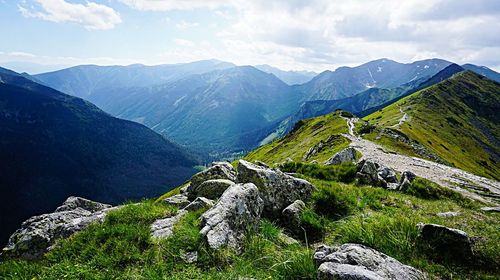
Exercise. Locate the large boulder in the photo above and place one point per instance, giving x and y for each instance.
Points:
(375, 174)
(39, 233)
(199, 203)
(447, 243)
(346, 155)
(290, 216)
(164, 228)
(278, 190)
(211, 189)
(218, 170)
(354, 261)
(406, 179)
(237, 210)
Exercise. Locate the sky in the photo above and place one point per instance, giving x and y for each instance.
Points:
(316, 35)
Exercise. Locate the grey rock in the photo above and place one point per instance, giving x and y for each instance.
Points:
(346, 155)
(238, 209)
(406, 178)
(368, 173)
(39, 234)
(190, 257)
(320, 146)
(164, 228)
(211, 189)
(491, 209)
(354, 261)
(448, 214)
(278, 190)
(446, 242)
(388, 174)
(178, 200)
(184, 190)
(290, 216)
(219, 170)
(260, 163)
(199, 203)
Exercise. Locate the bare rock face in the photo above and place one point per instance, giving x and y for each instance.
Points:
(406, 178)
(237, 210)
(199, 203)
(346, 155)
(446, 242)
(278, 190)
(211, 189)
(291, 216)
(219, 170)
(164, 228)
(354, 261)
(39, 233)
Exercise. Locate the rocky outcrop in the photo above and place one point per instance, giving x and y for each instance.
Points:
(39, 233)
(211, 189)
(406, 178)
(346, 155)
(367, 173)
(238, 209)
(290, 216)
(446, 242)
(178, 200)
(491, 209)
(163, 228)
(199, 203)
(354, 261)
(322, 145)
(278, 190)
(218, 170)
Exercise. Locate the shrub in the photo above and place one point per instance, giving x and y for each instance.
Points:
(329, 204)
(344, 172)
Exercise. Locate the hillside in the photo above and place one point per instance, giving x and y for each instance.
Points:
(456, 120)
(289, 77)
(54, 145)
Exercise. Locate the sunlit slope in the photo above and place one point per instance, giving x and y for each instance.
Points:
(457, 120)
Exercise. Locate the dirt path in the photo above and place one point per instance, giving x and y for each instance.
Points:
(404, 118)
(480, 188)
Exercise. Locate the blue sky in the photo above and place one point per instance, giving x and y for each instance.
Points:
(300, 35)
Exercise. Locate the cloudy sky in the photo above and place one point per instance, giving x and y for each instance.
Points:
(293, 35)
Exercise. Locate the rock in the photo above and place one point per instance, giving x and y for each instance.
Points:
(164, 228)
(331, 141)
(406, 178)
(287, 240)
(184, 190)
(178, 200)
(211, 189)
(368, 173)
(387, 174)
(74, 202)
(278, 190)
(491, 209)
(354, 261)
(446, 242)
(346, 155)
(448, 214)
(199, 203)
(38, 234)
(261, 164)
(219, 170)
(290, 216)
(237, 210)
(190, 257)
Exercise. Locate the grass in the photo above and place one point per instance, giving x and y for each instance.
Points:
(454, 119)
(306, 134)
(344, 172)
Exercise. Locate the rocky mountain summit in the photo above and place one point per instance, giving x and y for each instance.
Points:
(241, 200)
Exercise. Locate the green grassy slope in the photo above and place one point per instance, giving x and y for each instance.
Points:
(457, 120)
(306, 134)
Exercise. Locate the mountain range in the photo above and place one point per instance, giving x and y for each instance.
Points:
(54, 145)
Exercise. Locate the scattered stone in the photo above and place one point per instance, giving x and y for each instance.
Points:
(190, 257)
(261, 164)
(491, 209)
(219, 170)
(199, 203)
(368, 173)
(184, 190)
(387, 174)
(406, 178)
(278, 190)
(332, 140)
(211, 189)
(178, 200)
(238, 209)
(448, 214)
(290, 216)
(38, 234)
(354, 261)
(446, 242)
(287, 240)
(346, 155)
(164, 228)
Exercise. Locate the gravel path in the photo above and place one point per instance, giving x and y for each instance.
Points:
(480, 188)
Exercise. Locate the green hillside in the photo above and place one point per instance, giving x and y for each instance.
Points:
(457, 120)
(306, 134)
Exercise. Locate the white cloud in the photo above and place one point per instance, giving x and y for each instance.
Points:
(186, 24)
(91, 15)
(170, 5)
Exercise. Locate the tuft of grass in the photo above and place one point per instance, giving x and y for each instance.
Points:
(426, 189)
(344, 172)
